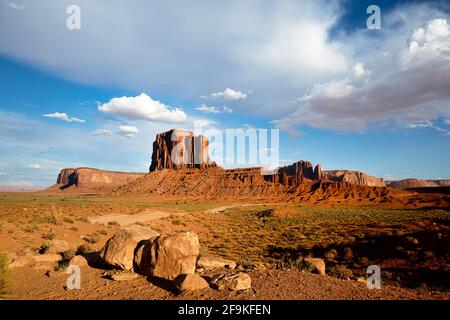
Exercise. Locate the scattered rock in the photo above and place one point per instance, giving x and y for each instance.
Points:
(318, 263)
(190, 282)
(231, 281)
(78, 261)
(171, 255)
(210, 263)
(119, 250)
(124, 276)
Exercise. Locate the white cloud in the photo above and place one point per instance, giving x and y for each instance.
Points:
(447, 122)
(142, 107)
(63, 116)
(407, 87)
(211, 109)
(229, 94)
(34, 166)
(14, 5)
(101, 132)
(128, 131)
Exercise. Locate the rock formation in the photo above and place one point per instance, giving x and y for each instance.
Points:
(180, 149)
(353, 177)
(418, 183)
(92, 180)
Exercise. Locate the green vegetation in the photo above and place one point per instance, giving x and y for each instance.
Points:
(3, 273)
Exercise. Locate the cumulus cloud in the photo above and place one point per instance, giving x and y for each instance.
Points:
(211, 109)
(128, 131)
(34, 166)
(14, 5)
(228, 94)
(409, 87)
(101, 132)
(63, 116)
(142, 107)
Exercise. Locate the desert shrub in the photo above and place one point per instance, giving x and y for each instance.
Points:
(84, 250)
(73, 228)
(103, 232)
(50, 218)
(341, 271)
(348, 252)
(3, 273)
(306, 266)
(68, 220)
(113, 223)
(30, 228)
(331, 254)
(49, 235)
(93, 238)
(66, 257)
(82, 219)
(43, 249)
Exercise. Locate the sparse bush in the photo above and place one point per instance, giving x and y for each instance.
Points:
(68, 220)
(43, 249)
(103, 232)
(82, 219)
(84, 250)
(113, 223)
(331, 254)
(49, 235)
(93, 238)
(3, 273)
(341, 271)
(30, 228)
(73, 228)
(66, 257)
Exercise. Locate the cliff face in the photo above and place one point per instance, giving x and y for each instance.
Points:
(353, 177)
(180, 149)
(93, 179)
(418, 183)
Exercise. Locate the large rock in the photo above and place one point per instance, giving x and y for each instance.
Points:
(119, 250)
(319, 265)
(353, 177)
(79, 261)
(92, 179)
(180, 149)
(190, 282)
(168, 256)
(232, 281)
(58, 246)
(210, 263)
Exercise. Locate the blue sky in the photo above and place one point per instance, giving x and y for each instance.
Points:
(343, 96)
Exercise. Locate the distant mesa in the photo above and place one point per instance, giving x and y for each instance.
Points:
(353, 177)
(418, 183)
(82, 180)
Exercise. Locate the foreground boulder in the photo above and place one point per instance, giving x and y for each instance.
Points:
(232, 281)
(319, 265)
(119, 250)
(190, 282)
(168, 256)
(210, 263)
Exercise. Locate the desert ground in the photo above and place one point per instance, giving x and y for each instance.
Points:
(266, 240)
